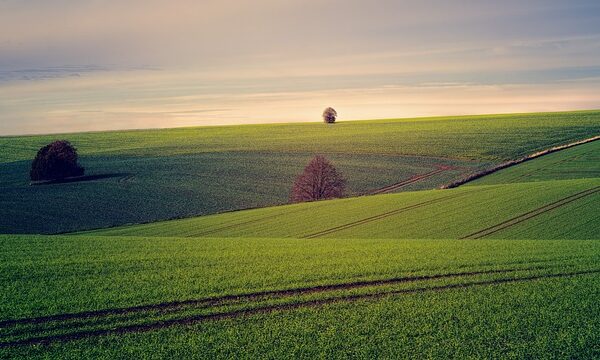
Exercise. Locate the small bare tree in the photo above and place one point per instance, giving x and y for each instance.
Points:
(329, 115)
(319, 180)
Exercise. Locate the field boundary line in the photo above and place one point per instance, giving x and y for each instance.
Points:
(531, 214)
(273, 308)
(511, 163)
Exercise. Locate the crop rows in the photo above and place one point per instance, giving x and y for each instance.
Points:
(581, 161)
(175, 173)
(139, 319)
(533, 213)
(453, 213)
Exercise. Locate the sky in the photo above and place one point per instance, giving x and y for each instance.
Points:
(87, 65)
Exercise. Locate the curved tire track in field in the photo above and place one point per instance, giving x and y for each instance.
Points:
(250, 296)
(412, 180)
(440, 168)
(552, 164)
(259, 219)
(531, 214)
(385, 215)
(190, 320)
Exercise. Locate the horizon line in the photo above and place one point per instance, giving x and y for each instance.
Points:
(293, 123)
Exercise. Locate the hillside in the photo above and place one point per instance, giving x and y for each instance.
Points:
(448, 267)
(579, 162)
(151, 175)
(167, 295)
(441, 214)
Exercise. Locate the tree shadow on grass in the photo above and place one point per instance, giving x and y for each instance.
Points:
(80, 179)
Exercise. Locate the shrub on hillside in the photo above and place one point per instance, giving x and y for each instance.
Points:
(329, 115)
(55, 161)
(319, 180)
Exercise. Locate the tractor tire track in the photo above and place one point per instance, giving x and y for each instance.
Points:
(190, 320)
(52, 323)
(531, 214)
(550, 165)
(218, 300)
(384, 215)
(108, 319)
(412, 180)
(260, 219)
(128, 178)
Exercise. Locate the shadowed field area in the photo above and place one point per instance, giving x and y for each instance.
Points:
(175, 173)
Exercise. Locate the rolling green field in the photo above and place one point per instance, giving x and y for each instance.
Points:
(449, 214)
(579, 162)
(151, 175)
(531, 319)
(118, 288)
(505, 267)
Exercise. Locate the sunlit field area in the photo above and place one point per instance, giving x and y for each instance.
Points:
(483, 270)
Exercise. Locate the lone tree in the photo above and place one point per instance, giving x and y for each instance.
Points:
(320, 180)
(329, 115)
(55, 161)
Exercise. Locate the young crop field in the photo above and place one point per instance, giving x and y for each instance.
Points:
(507, 266)
(461, 137)
(83, 293)
(537, 318)
(579, 162)
(149, 175)
(465, 212)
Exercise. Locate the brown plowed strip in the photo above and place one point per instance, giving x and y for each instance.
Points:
(272, 308)
(412, 180)
(383, 215)
(250, 296)
(531, 214)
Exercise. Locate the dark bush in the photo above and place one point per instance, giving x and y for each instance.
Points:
(54, 161)
(319, 180)
(329, 115)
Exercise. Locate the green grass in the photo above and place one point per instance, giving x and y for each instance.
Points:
(46, 275)
(384, 276)
(156, 188)
(43, 275)
(162, 174)
(543, 319)
(579, 162)
(482, 137)
(440, 214)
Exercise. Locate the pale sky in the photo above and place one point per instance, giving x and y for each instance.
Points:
(77, 65)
